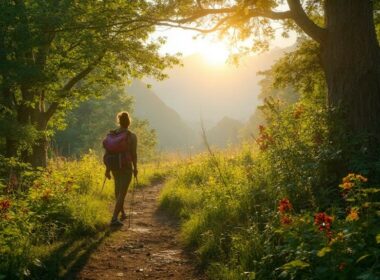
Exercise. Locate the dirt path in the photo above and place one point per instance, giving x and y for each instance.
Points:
(148, 250)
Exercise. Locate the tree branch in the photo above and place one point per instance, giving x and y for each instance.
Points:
(251, 13)
(204, 12)
(71, 83)
(201, 30)
(305, 23)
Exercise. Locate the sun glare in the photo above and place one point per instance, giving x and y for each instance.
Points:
(215, 54)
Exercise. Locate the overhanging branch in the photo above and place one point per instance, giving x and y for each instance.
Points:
(71, 83)
(200, 13)
(305, 23)
(229, 13)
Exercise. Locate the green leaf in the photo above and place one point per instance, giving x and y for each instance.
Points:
(250, 275)
(323, 251)
(378, 238)
(295, 264)
(371, 190)
(362, 258)
(367, 276)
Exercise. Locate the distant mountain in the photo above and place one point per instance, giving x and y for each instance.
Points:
(200, 90)
(172, 132)
(225, 133)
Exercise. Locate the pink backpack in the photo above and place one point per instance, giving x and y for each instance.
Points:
(116, 142)
(117, 154)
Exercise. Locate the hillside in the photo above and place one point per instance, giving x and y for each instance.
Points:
(225, 133)
(172, 132)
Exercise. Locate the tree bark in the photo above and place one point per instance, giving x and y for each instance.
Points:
(39, 156)
(40, 148)
(351, 61)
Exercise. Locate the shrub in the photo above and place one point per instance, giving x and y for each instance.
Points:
(64, 201)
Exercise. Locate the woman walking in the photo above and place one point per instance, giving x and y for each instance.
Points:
(121, 161)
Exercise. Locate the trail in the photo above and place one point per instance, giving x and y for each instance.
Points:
(148, 250)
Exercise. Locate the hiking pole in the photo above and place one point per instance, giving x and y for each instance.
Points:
(132, 200)
(104, 182)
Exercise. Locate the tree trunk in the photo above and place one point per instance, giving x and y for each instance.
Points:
(40, 148)
(39, 155)
(351, 61)
(10, 147)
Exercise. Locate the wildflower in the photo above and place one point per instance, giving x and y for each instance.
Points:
(284, 205)
(298, 112)
(339, 237)
(353, 215)
(347, 185)
(4, 207)
(286, 220)
(47, 194)
(361, 178)
(342, 266)
(323, 221)
(264, 139)
(352, 178)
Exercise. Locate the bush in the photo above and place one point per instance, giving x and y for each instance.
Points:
(65, 201)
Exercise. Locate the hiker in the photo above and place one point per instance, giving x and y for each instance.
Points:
(121, 160)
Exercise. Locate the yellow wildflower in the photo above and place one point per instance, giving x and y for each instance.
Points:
(361, 178)
(353, 215)
(347, 185)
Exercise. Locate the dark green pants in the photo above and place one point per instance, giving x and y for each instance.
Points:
(122, 180)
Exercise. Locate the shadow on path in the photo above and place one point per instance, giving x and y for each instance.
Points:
(69, 258)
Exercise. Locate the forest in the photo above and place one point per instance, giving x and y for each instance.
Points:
(260, 160)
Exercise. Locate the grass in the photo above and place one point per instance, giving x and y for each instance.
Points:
(49, 229)
(228, 205)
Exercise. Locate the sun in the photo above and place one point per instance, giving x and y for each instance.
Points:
(215, 54)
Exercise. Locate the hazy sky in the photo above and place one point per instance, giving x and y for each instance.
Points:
(179, 40)
(227, 95)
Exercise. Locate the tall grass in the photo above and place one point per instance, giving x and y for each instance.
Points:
(58, 214)
(63, 202)
(274, 209)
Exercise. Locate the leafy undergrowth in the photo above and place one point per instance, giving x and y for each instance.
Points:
(243, 228)
(51, 220)
(276, 210)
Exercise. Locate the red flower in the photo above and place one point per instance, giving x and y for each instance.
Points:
(264, 139)
(284, 205)
(4, 205)
(341, 266)
(286, 220)
(323, 221)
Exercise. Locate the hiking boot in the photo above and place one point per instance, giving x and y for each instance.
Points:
(116, 223)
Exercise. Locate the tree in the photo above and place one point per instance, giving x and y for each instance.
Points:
(55, 54)
(86, 126)
(344, 31)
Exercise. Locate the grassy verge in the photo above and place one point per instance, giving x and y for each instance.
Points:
(64, 202)
(52, 220)
(242, 223)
